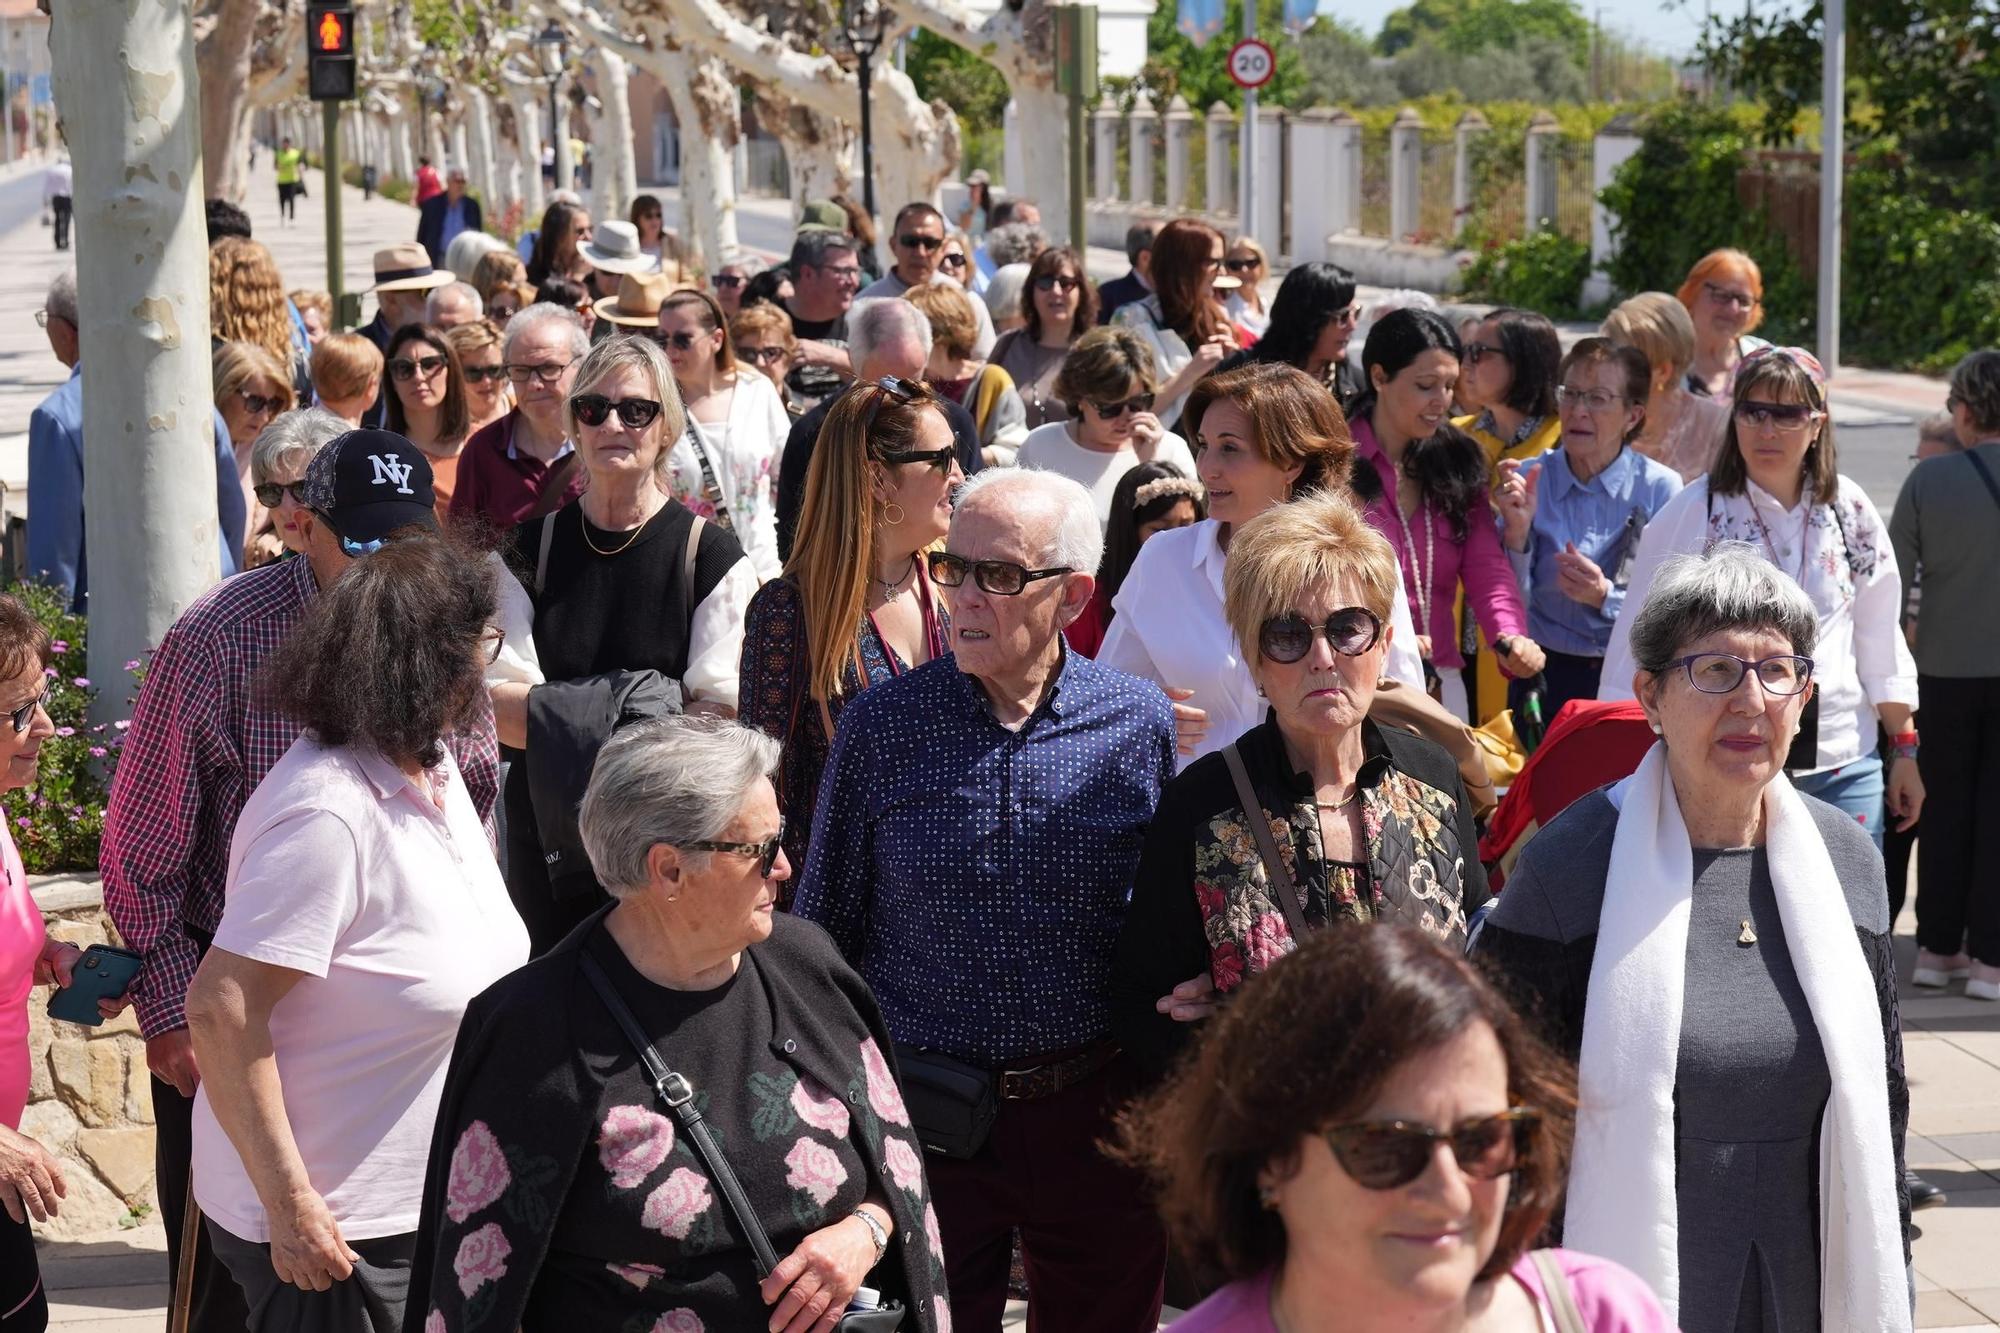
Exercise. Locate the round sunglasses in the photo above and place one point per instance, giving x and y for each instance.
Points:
(257, 404)
(594, 409)
(1387, 1155)
(405, 369)
(271, 494)
(1350, 631)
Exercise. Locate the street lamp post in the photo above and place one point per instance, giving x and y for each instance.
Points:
(552, 43)
(864, 23)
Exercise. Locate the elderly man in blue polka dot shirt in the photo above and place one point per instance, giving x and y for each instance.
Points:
(972, 854)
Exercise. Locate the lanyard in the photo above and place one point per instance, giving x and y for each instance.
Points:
(1420, 575)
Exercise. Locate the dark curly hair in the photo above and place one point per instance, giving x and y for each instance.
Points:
(388, 658)
(1306, 1045)
(1449, 468)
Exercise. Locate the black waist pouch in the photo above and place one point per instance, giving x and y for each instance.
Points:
(952, 1104)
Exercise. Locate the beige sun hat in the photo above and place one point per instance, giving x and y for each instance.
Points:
(640, 295)
(407, 268)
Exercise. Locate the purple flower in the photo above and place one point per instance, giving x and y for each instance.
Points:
(98, 752)
(50, 672)
(65, 731)
(58, 646)
(83, 682)
(132, 665)
(121, 724)
(25, 822)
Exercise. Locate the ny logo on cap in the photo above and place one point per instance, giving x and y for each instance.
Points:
(392, 471)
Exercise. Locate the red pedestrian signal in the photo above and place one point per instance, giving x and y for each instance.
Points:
(330, 73)
(332, 33)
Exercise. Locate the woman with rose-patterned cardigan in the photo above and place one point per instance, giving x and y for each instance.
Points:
(1367, 823)
(562, 1193)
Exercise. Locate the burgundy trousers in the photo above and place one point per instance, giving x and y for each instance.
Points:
(1091, 1241)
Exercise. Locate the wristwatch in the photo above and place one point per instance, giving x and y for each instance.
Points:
(875, 1232)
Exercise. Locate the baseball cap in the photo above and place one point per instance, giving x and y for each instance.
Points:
(369, 483)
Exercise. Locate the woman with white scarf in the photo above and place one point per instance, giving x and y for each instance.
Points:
(1714, 946)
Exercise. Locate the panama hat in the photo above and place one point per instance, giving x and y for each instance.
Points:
(614, 248)
(407, 268)
(637, 304)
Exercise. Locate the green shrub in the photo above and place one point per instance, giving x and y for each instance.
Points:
(1543, 271)
(58, 822)
(1923, 272)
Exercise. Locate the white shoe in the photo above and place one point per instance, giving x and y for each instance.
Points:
(1983, 983)
(1936, 971)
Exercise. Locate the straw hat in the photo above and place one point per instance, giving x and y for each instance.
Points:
(614, 248)
(407, 268)
(637, 304)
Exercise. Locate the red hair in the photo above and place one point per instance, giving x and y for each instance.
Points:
(1726, 263)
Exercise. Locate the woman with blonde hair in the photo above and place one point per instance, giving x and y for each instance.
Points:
(246, 303)
(478, 346)
(1247, 263)
(1724, 296)
(315, 309)
(1683, 429)
(251, 389)
(761, 336)
(855, 605)
(980, 387)
(495, 271)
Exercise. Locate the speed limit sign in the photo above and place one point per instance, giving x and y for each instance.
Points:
(1251, 63)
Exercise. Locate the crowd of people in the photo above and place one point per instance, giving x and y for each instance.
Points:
(808, 796)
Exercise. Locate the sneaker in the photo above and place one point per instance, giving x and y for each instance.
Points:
(1923, 1194)
(1983, 983)
(1935, 971)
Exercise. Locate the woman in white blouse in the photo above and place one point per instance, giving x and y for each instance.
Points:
(725, 466)
(1775, 485)
(1108, 384)
(1263, 434)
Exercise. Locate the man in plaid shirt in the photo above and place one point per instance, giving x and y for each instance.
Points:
(199, 743)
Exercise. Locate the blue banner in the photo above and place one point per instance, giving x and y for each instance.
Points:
(1199, 20)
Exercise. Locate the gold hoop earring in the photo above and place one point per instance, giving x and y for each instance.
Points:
(892, 514)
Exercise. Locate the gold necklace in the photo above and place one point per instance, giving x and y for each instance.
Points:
(1342, 804)
(585, 525)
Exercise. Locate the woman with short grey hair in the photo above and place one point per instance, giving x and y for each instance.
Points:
(1713, 947)
(564, 1185)
(278, 459)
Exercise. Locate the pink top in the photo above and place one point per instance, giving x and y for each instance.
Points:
(21, 936)
(1610, 1299)
(1444, 560)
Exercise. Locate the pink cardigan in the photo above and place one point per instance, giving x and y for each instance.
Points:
(1610, 1299)
(1490, 589)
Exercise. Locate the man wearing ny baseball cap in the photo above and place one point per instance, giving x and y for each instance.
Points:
(201, 739)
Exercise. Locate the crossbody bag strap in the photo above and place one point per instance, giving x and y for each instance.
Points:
(1283, 887)
(678, 1094)
(711, 489)
(542, 558)
(1985, 473)
(687, 565)
(1556, 1290)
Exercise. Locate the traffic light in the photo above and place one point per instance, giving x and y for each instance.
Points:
(330, 51)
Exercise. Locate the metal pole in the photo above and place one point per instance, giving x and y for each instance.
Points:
(864, 72)
(1246, 144)
(329, 113)
(1078, 237)
(1833, 143)
(558, 141)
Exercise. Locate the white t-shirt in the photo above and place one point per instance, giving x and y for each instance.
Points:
(1054, 449)
(396, 912)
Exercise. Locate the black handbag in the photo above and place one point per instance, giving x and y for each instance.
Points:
(677, 1093)
(952, 1104)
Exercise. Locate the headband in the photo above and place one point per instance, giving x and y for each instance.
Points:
(1798, 356)
(1165, 486)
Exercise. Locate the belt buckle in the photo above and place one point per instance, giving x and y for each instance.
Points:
(1014, 1085)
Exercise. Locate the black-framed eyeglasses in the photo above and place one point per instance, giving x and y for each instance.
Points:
(1243, 265)
(1720, 673)
(1477, 352)
(1002, 578)
(271, 494)
(1595, 400)
(594, 409)
(1138, 402)
(1048, 282)
(257, 404)
(548, 372)
(1723, 296)
(481, 374)
(24, 716)
(1387, 1155)
(923, 243)
(1350, 631)
(680, 340)
(766, 851)
(760, 356)
(731, 280)
(1782, 416)
(405, 368)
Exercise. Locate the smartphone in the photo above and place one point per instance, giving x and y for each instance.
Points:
(103, 973)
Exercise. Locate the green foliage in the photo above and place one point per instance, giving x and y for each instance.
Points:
(1467, 27)
(1174, 65)
(1923, 272)
(1343, 69)
(58, 822)
(957, 77)
(1543, 271)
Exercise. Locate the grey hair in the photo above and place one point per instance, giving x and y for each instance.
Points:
(467, 248)
(743, 262)
(1139, 239)
(1016, 243)
(1079, 537)
(61, 300)
(291, 440)
(1939, 428)
(540, 313)
(672, 780)
(1732, 587)
(461, 291)
(1003, 291)
(1975, 381)
(879, 321)
(626, 352)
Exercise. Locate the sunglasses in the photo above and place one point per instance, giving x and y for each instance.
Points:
(1346, 316)
(761, 356)
(1242, 265)
(271, 494)
(1390, 1154)
(406, 368)
(952, 261)
(889, 387)
(548, 372)
(1142, 402)
(1350, 631)
(1049, 282)
(766, 851)
(730, 280)
(24, 716)
(680, 340)
(1785, 416)
(256, 404)
(594, 409)
(1477, 352)
(941, 459)
(923, 243)
(1002, 578)
(481, 374)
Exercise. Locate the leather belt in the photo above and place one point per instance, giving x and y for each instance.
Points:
(1053, 1076)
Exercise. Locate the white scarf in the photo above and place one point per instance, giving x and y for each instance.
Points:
(1622, 1202)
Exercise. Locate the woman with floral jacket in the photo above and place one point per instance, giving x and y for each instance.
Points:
(563, 1193)
(1365, 824)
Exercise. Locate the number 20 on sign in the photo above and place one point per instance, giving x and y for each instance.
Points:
(1251, 63)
